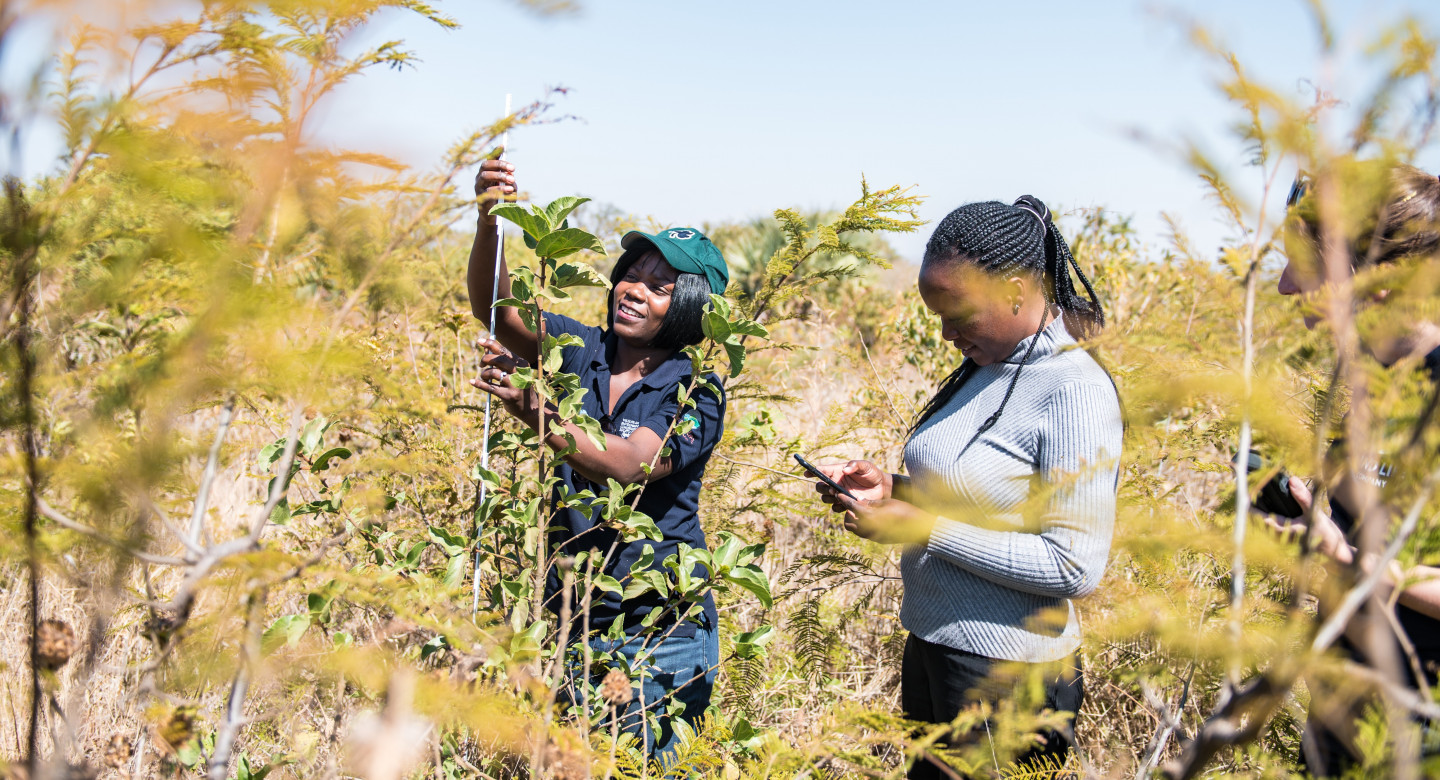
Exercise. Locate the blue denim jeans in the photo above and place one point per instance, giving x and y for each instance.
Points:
(676, 669)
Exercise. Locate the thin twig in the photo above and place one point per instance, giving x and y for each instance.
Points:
(279, 487)
(59, 519)
(785, 474)
(879, 382)
(235, 708)
(207, 478)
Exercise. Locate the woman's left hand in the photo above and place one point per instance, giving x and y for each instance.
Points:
(887, 521)
(498, 363)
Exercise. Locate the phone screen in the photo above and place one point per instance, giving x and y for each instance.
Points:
(818, 474)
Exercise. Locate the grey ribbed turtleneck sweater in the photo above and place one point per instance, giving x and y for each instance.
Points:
(1025, 512)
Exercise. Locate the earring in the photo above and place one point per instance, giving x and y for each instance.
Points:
(1016, 308)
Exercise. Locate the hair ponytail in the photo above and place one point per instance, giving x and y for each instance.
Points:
(1083, 318)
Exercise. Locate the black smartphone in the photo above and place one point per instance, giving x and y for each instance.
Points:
(1274, 497)
(818, 474)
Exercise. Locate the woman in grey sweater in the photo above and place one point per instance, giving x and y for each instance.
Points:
(1008, 510)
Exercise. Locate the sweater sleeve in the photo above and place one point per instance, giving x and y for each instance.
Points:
(1078, 460)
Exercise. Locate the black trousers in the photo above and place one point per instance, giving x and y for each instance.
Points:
(937, 682)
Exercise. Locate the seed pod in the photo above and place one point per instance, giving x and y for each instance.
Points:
(55, 643)
(616, 689)
(563, 758)
(118, 751)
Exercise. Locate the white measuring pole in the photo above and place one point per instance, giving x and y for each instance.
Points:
(485, 444)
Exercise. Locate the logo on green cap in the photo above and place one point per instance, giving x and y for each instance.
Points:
(681, 234)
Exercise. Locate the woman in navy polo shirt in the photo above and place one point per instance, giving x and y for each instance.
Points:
(632, 370)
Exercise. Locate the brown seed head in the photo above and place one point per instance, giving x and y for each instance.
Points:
(563, 758)
(616, 689)
(117, 752)
(55, 643)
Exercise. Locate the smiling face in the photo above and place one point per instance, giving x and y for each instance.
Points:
(977, 309)
(642, 298)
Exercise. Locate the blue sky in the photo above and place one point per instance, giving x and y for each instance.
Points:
(694, 111)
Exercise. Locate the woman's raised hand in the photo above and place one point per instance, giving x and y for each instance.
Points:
(498, 363)
(493, 183)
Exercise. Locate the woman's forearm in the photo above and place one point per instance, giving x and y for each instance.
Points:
(1058, 562)
(622, 460)
(899, 488)
(481, 274)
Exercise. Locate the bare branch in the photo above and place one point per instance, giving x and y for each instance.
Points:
(235, 710)
(202, 498)
(59, 519)
(282, 482)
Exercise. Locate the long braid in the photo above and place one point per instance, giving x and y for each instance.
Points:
(1005, 240)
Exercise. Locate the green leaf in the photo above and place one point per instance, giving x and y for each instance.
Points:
(578, 275)
(411, 557)
(285, 630)
(749, 328)
(311, 435)
(720, 305)
(751, 578)
(607, 583)
(281, 515)
(455, 570)
(715, 327)
(726, 554)
(319, 606)
(591, 427)
(323, 462)
(643, 581)
(188, 754)
(736, 353)
(533, 224)
(636, 525)
(451, 543)
(557, 210)
(751, 644)
(563, 243)
(551, 355)
(269, 454)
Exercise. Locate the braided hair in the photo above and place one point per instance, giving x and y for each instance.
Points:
(1005, 241)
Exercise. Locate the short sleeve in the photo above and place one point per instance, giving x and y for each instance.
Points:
(705, 422)
(571, 357)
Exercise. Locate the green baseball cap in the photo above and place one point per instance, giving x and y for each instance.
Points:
(687, 250)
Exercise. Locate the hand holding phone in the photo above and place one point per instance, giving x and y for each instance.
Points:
(1274, 497)
(820, 475)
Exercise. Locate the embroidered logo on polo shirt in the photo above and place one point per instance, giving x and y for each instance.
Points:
(627, 427)
(692, 429)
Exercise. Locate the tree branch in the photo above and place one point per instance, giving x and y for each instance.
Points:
(202, 498)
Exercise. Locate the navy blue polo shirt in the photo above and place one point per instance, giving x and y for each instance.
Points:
(1422, 630)
(673, 501)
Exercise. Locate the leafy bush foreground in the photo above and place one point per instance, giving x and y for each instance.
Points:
(254, 527)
